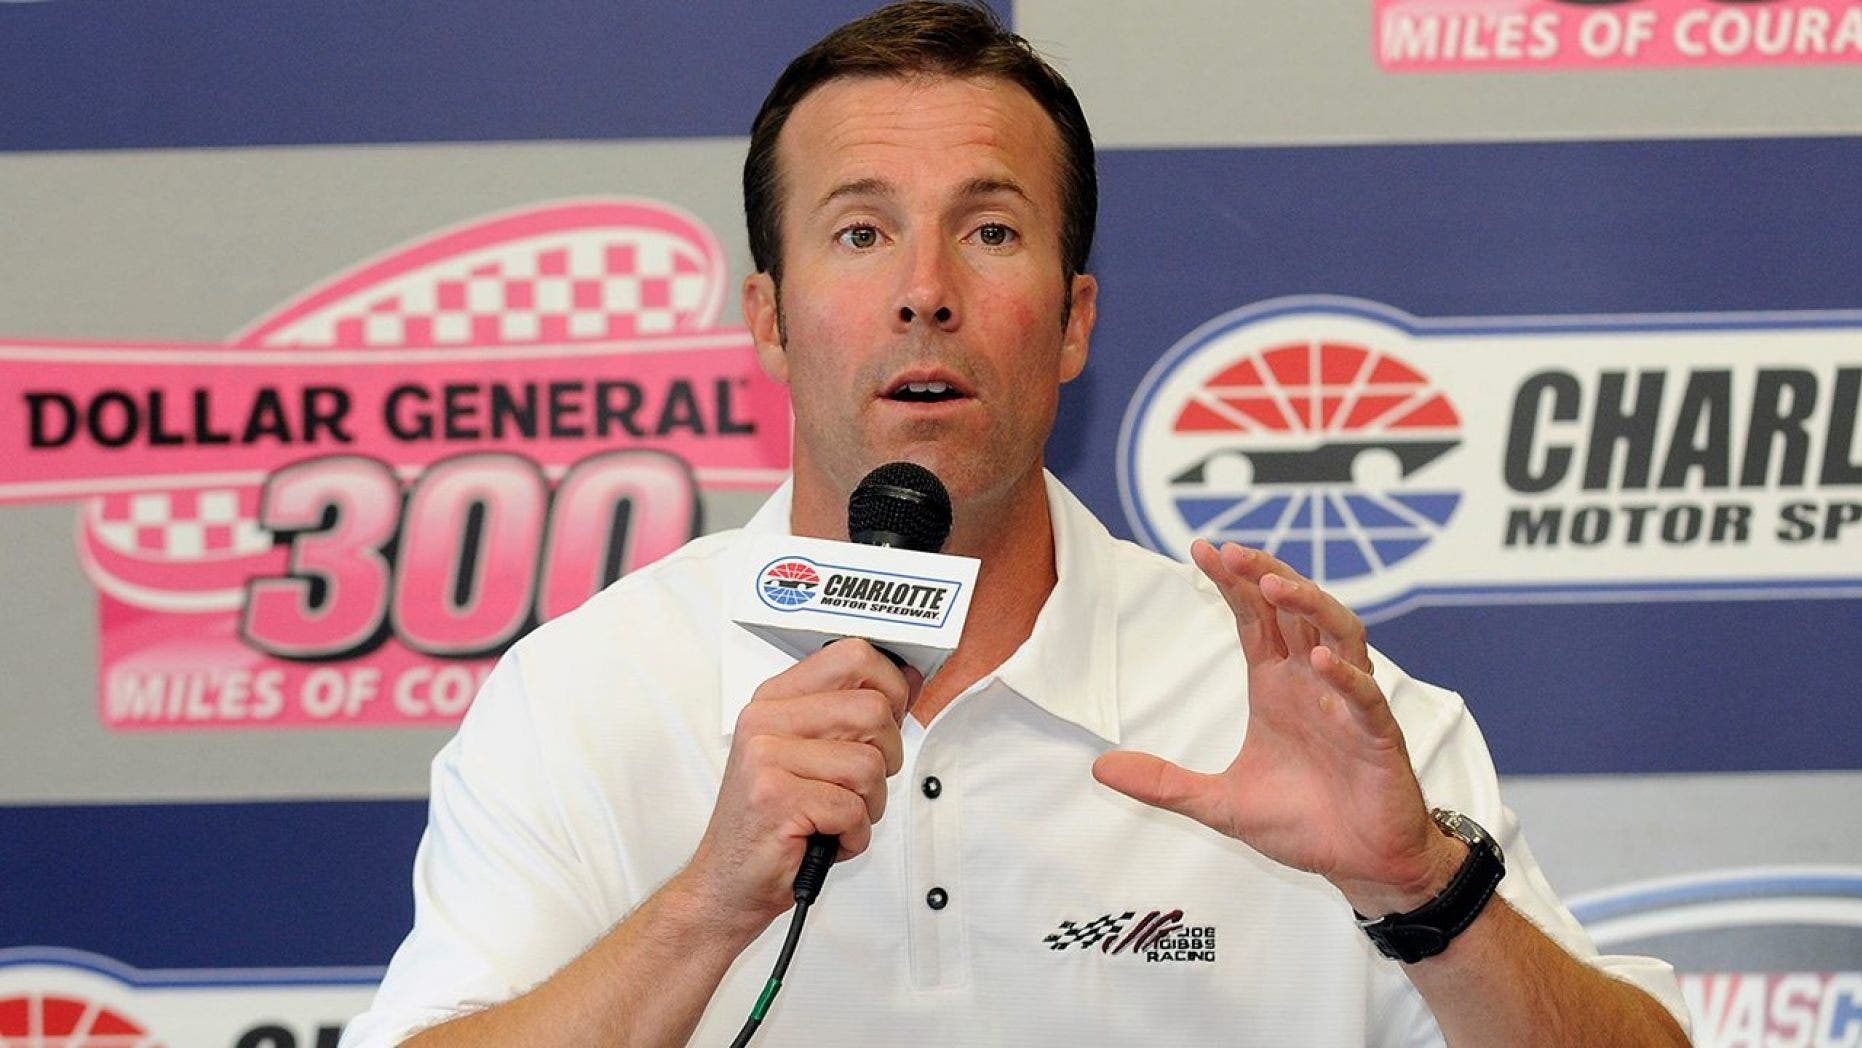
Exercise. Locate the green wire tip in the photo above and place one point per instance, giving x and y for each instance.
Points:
(762, 1003)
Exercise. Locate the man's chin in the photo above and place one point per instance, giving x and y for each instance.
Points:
(974, 481)
(968, 472)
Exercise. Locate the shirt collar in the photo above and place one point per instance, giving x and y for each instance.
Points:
(1068, 664)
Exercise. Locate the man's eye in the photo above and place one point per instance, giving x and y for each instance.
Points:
(995, 235)
(860, 237)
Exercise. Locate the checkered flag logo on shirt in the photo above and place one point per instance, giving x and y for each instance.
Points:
(1087, 935)
(1160, 935)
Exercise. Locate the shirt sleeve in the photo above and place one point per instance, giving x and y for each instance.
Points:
(1456, 772)
(500, 901)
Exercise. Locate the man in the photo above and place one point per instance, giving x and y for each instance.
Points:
(615, 830)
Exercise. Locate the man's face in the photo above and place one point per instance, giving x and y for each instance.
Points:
(921, 224)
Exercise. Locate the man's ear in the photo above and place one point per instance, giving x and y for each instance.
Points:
(1079, 332)
(763, 318)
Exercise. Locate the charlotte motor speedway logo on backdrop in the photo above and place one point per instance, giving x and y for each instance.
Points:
(1403, 461)
(52, 996)
(343, 513)
(1765, 956)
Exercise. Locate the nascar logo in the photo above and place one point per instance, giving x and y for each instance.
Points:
(1766, 956)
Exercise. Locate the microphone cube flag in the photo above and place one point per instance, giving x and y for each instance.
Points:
(800, 593)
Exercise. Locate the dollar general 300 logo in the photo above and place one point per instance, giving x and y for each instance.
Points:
(343, 513)
(1402, 460)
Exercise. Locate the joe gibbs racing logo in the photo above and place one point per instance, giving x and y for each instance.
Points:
(1403, 461)
(341, 514)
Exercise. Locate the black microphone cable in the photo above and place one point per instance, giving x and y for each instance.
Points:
(781, 969)
(899, 504)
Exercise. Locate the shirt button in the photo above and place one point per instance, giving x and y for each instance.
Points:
(932, 787)
(936, 898)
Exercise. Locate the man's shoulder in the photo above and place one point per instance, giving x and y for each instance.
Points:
(677, 596)
(1134, 575)
(1172, 608)
(1147, 584)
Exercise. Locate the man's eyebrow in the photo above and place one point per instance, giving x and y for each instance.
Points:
(981, 187)
(879, 187)
(858, 187)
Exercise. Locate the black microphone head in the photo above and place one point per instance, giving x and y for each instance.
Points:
(900, 504)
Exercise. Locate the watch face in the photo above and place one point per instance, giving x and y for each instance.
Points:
(1467, 830)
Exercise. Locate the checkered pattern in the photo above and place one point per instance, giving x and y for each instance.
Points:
(181, 525)
(1086, 935)
(582, 286)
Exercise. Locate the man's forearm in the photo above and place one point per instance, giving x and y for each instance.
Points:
(1505, 982)
(645, 983)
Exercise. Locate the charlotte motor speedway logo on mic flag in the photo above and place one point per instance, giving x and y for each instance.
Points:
(343, 513)
(1401, 460)
(792, 583)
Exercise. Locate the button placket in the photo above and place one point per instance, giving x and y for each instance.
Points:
(937, 941)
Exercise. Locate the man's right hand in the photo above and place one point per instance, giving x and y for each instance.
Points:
(810, 754)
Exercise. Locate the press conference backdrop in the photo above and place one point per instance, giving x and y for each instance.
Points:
(344, 342)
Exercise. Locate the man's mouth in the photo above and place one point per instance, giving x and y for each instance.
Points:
(927, 392)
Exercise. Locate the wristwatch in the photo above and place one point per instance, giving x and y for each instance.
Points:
(1428, 929)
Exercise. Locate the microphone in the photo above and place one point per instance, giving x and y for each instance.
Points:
(902, 505)
(886, 587)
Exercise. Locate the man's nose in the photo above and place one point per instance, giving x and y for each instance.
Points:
(928, 294)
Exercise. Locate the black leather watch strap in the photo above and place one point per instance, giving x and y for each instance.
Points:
(1428, 929)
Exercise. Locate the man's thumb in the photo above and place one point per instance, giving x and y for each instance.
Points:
(1156, 782)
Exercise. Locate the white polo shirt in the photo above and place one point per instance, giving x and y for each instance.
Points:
(1064, 914)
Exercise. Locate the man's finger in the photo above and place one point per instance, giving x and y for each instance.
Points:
(1297, 630)
(1359, 690)
(1159, 783)
(1326, 618)
(1255, 621)
(856, 767)
(844, 666)
(863, 716)
(1254, 567)
(826, 808)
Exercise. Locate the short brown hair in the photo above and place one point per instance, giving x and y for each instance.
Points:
(915, 38)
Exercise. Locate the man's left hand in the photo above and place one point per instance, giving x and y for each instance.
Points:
(1323, 781)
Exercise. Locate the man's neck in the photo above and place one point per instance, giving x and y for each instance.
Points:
(1014, 540)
